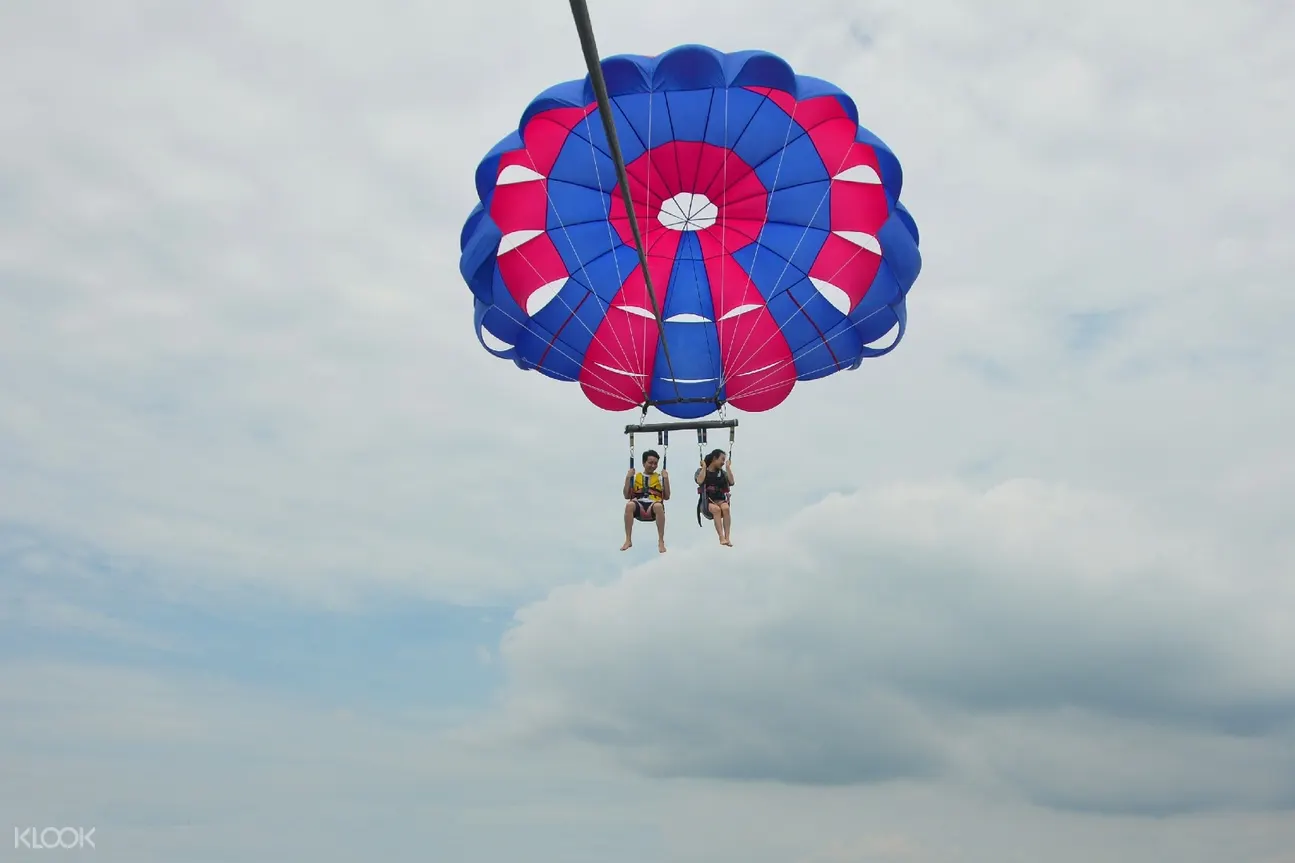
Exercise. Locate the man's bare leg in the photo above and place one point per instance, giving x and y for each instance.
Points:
(629, 525)
(659, 511)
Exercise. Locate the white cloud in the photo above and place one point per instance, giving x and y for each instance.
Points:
(1056, 641)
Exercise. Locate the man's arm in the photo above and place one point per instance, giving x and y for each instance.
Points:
(628, 490)
(665, 485)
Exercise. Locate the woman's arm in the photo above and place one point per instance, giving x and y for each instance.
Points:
(728, 469)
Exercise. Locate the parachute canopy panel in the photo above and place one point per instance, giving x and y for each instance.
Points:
(777, 248)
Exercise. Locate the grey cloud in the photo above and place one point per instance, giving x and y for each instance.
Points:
(198, 769)
(1077, 762)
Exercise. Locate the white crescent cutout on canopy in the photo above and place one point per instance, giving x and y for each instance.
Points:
(748, 372)
(544, 295)
(839, 299)
(885, 338)
(621, 371)
(638, 310)
(740, 310)
(862, 240)
(859, 174)
(512, 240)
(493, 341)
(517, 174)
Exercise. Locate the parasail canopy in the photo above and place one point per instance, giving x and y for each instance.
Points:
(777, 248)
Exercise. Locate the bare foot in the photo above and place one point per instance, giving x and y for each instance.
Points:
(728, 542)
(660, 546)
(627, 545)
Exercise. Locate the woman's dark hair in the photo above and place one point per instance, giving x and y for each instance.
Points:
(714, 454)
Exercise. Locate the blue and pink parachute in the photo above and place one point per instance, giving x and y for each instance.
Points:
(775, 239)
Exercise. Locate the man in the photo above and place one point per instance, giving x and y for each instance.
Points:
(645, 495)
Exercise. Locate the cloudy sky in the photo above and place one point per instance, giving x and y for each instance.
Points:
(290, 568)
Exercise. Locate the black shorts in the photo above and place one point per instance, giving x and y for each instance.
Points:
(643, 510)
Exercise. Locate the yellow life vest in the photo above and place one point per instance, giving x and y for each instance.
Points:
(648, 486)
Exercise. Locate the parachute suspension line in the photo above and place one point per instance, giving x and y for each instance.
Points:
(752, 389)
(575, 250)
(593, 335)
(585, 27)
(723, 253)
(580, 262)
(701, 460)
(642, 417)
(663, 441)
(701, 443)
(576, 360)
(768, 373)
(553, 344)
(630, 364)
(768, 208)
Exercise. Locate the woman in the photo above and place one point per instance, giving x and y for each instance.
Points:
(714, 478)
